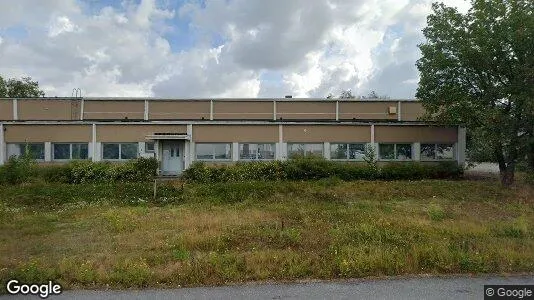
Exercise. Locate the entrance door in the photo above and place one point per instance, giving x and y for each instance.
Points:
(172, 158)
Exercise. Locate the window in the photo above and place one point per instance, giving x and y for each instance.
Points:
(347, 151)
(34, 150)
(70, 151)
(149, 147)
(122, 151)
(304, 150)
(437, 151)
(213, 151)
(395, 151)
(256, 151)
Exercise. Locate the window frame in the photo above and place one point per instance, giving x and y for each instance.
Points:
(70, 151)
(436, 152)
(22, 149)
(153, 147)
(273, 145)
(120, 152)
(306, 150)
(347, 151)
(395, 154)
(213, 154)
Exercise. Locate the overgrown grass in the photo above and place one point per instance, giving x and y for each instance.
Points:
(95, 235)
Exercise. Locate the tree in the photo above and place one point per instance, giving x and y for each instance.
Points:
(346, 94)
(477, 70)
(373, 95)
(20, 88)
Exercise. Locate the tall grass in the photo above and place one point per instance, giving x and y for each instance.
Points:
(93, 235)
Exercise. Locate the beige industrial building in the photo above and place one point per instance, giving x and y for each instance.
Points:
(180, 131)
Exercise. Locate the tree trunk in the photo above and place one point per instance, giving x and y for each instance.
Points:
(507, 175)
(506, 169)
(530, 157)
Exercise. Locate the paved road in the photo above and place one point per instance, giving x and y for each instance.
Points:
(406, 288)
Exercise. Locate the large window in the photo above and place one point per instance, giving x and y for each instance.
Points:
(256, 151)
(304, 150)
(213, 151)
(437, 151)
(120, 151)
(34, 150)
(347, 151)
(395, 151)
(70, 151)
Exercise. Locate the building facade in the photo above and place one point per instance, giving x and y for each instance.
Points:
(180, 131)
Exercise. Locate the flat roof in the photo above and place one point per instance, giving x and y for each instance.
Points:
(209, 99)
(231, 122)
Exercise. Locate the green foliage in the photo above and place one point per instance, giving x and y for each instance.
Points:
(370, 157)
(140, 169)
(476, 70)
(436, 212)
(55, 194)
(23, 169)
(17, 170)
(319, 168)
(20, 88)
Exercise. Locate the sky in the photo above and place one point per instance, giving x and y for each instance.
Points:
(215, 48)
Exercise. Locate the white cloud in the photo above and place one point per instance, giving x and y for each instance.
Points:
(61, 25)
(315, 47)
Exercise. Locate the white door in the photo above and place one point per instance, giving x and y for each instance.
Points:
(172, 158)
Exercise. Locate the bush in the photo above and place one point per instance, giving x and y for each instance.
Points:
(318, 168)
(241, 171)
(17, 170)
(54, 173)
(141, 169)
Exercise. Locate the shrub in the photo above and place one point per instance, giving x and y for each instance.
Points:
(54, 173)
(83, 171)
(318, 168)
(17, 170)
(403, 170)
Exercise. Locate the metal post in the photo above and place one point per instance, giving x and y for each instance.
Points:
(2, 145)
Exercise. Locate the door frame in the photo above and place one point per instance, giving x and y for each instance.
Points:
(181, 146)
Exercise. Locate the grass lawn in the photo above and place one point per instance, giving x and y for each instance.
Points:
(95, 236)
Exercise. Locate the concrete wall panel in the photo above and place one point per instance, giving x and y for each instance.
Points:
(49, 109)
(179, 110)
(423, 134)
(225, 110)
(6, 110)
(411, 111)
(326, 133)
(114, 110)
(235, 133)
(134, 133)
(47, 133)
(323, 110)
(366, 110)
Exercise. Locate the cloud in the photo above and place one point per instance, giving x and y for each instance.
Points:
(234, 48)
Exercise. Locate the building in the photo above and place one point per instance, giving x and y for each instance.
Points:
(180, 131)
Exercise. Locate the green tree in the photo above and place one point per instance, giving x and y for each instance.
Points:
(477, 70)
(20, 88)
(346, 94)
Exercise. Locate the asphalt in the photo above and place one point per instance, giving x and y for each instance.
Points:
(394, 288)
